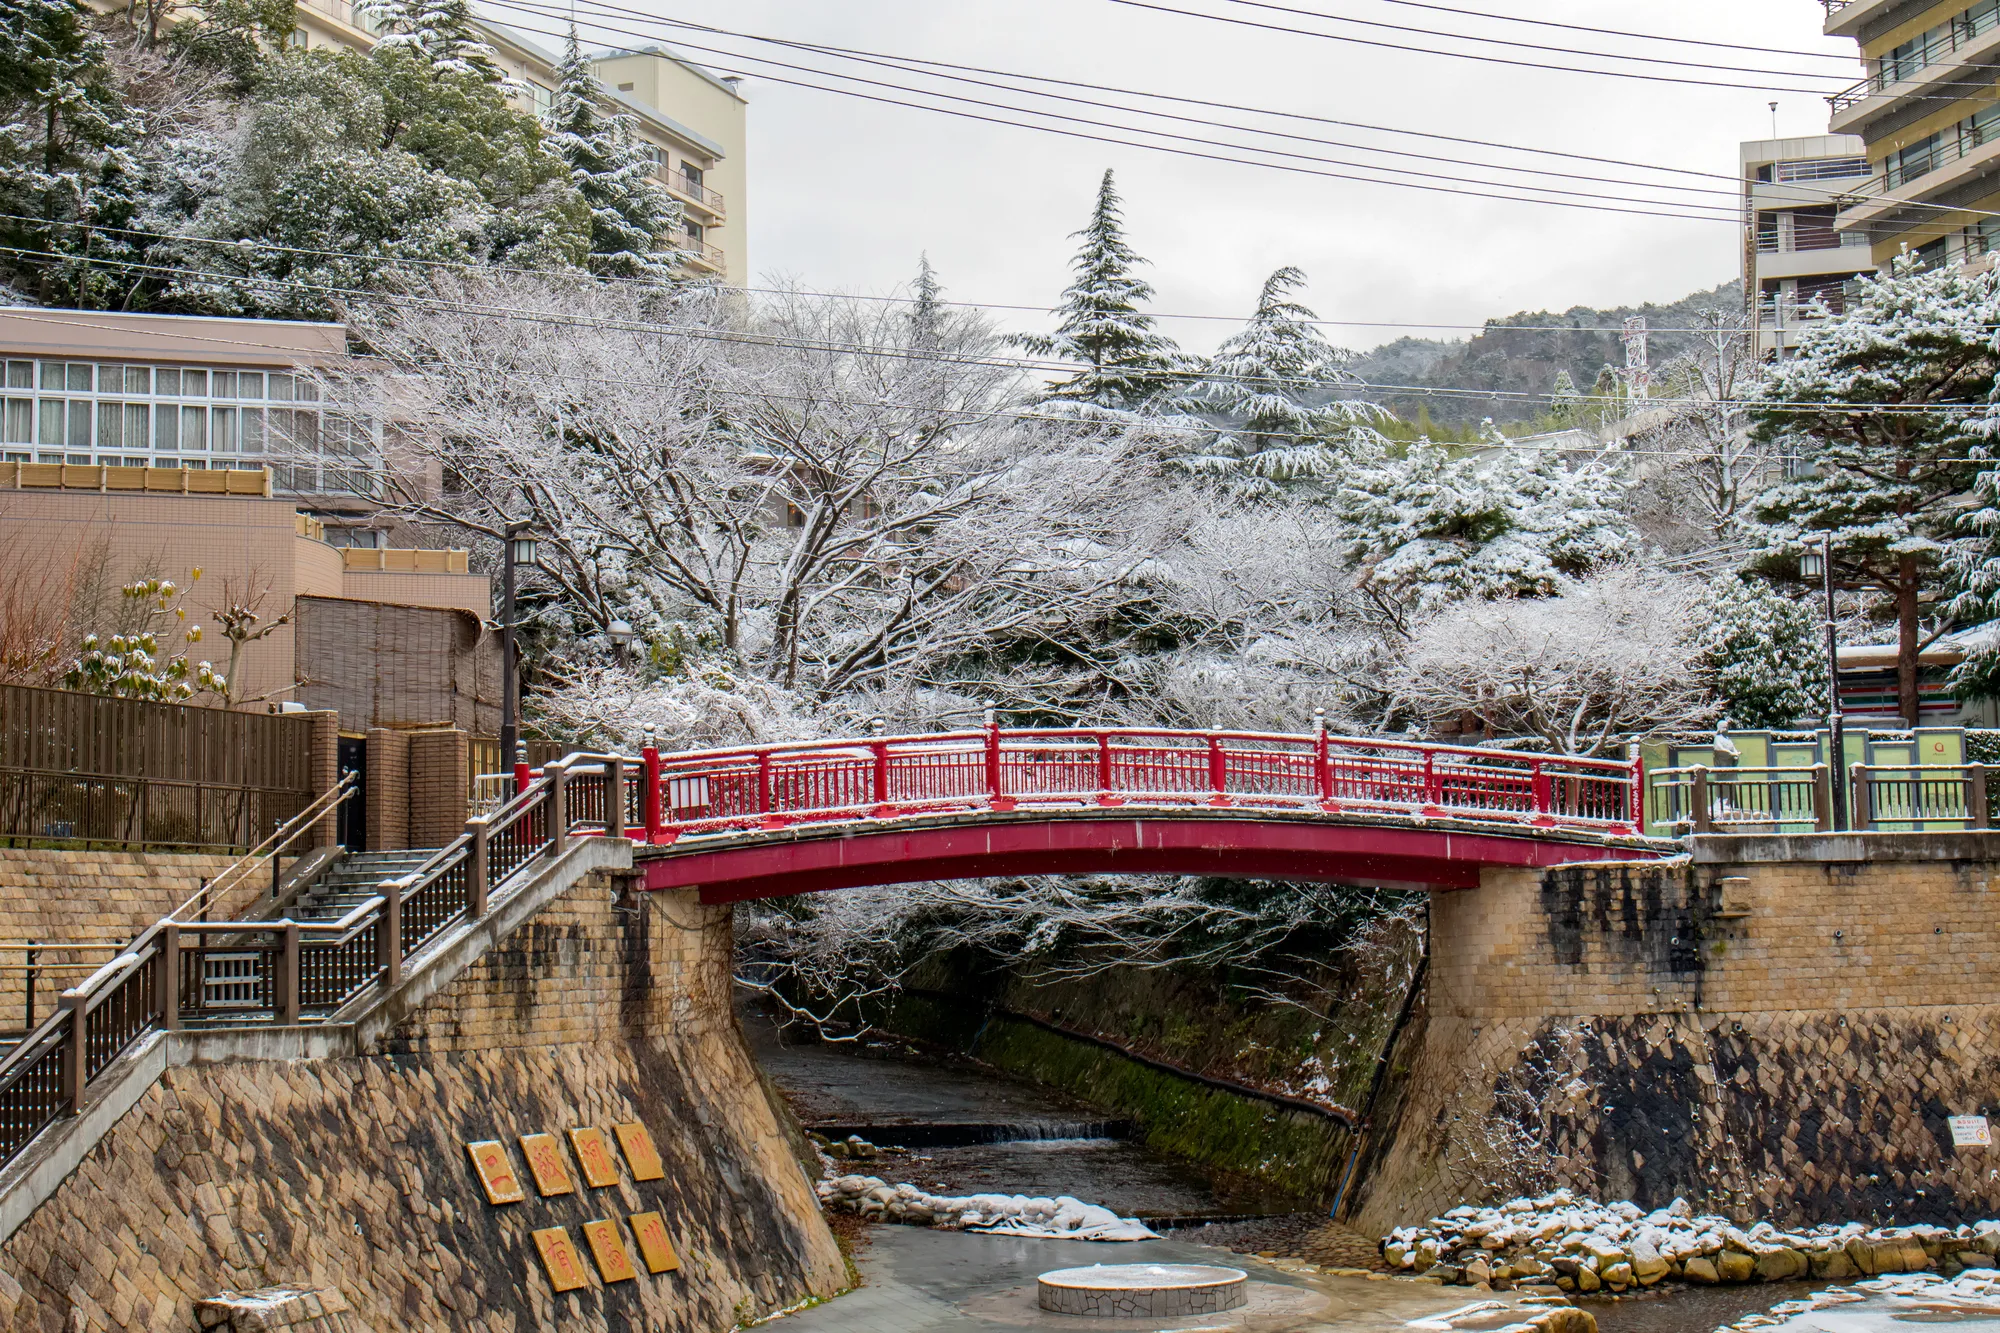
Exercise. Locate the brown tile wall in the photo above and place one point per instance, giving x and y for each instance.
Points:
(351, 1175)
(437, 786)
(324, 757)
(388, 789)
(1622, 1031)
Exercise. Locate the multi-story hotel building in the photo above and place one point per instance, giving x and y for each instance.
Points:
(1793, 256)
(1928, 116)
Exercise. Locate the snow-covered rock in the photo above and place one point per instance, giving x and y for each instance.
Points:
(1010, 1214)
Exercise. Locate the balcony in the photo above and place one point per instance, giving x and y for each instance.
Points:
(1795, 244)
(703, 255)
(692, 192)
(1954, 161)
(1942, 59)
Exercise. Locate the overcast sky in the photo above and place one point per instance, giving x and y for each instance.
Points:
(845, 194)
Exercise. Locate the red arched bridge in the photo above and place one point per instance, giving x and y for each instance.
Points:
(769, 821)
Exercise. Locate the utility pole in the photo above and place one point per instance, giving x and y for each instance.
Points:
(517, 547)
(1819, 565)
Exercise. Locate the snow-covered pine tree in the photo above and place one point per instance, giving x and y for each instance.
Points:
(1126, 364)
(439, 32)
(1763, 653)
(632, 217)
(1872, 404)
(1427, 529)
(1565, 403)
(1272, 392)
(926, 310)
(64, 137)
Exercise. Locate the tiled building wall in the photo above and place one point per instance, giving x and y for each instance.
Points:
(1790, 1047)
(388, 793)
(351, 1176)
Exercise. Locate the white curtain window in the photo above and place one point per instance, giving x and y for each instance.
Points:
(194, 428)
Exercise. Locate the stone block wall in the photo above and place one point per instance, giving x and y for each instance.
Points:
(350, 1176)
(388, 793)
(1787, 1046)
(90, 897)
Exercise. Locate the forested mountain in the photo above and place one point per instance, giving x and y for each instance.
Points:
(1524, 358)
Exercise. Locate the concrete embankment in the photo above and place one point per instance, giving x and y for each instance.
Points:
(352, 1176)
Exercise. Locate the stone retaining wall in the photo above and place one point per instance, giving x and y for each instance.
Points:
(351, 1176)
(1787, 1045)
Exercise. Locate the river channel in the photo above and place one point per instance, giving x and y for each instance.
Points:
(954, 1127)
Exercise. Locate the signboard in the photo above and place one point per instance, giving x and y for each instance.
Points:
(496, 1173)
(608, 1248)
(640, 1152)
(560, 1258)
(593, 1150)
(1971, 1131)
(545, 1159)
(654, 1247)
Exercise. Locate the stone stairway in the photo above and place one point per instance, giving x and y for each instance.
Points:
(354, 879)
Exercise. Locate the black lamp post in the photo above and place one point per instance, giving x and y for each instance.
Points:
(520, 550)
(1817, 567)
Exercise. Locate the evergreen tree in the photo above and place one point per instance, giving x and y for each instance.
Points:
(1272, 391)
(1872, 405)
(64, 146)
(1427, 529)
(1764, 654)
(927, 310)
(1565, 403)
(632, 217)
(1127, 365)
(438, 32)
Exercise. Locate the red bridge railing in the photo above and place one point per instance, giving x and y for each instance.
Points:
(771, 787)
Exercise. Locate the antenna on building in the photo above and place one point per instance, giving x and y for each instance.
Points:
(1638, 367)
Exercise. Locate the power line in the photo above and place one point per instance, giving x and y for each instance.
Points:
(1467, 55)
(1020, 364)
(1524, 46)
(1657, 208)
(1616, 32)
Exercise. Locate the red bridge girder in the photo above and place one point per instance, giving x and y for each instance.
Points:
(1236, 844)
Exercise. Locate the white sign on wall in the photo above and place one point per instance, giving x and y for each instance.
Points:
(1971, 1131)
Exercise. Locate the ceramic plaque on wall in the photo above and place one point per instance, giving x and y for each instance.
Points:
(545, 1160)
(654, 1247)
(640, 1152)
(594, 1151)
(559, 1257)
(607, 1246)
(496, 1173)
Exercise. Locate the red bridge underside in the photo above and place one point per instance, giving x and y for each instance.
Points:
(781, 863)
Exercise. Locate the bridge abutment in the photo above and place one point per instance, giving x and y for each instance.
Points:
(1773, 1027)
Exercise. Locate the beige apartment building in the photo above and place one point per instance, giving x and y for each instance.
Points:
(1794, 257)
(689, 119)
(1928, 116)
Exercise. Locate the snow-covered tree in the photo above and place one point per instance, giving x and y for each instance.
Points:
(1698, 471)
(65, 137)
(1126, 363)
(140, 663)
(1566, 405)
(1615, 655)
(1427, 529)
(438, 32)
(1273, 392)
(1872, 404)
(829, 520)
(632, 217)
(1763, 653)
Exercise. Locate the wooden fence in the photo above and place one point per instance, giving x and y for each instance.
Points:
(82, 768)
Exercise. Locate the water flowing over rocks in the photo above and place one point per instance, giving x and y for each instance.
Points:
(873, 1198)
(1578, 1244)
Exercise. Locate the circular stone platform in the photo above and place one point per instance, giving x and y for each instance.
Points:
(1136, 1291)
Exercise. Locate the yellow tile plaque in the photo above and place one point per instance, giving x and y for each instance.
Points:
(640, 1152)
(496, 1172)
(608, 1248)
(560, 1258)
(594, 1152)
(654, 1247)
(545, 1159)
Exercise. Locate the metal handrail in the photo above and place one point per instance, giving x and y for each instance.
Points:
(277, 841)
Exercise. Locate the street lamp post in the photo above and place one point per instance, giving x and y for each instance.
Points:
(621, 636)
(518, 549)
(1818, 566)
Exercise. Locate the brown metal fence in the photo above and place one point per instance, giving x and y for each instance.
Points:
(82, 768)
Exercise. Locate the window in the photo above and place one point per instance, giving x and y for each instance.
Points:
(624, 87)
(692, 175)
(1906, 164)
(1812, 229)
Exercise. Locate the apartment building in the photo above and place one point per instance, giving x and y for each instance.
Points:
(1794, 257)
(1928, 115)
(691, 121)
